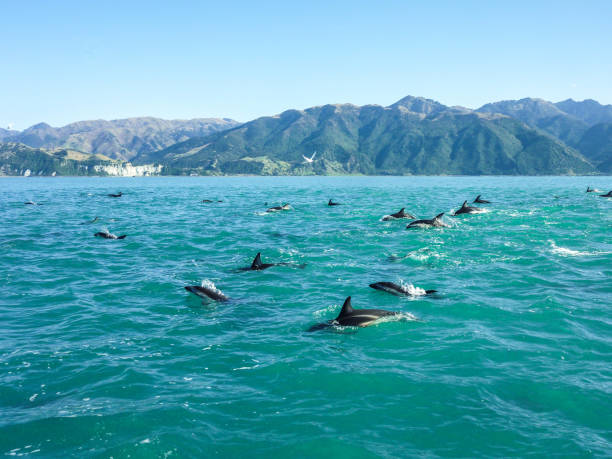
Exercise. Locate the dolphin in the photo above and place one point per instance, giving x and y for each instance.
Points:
(481, 201)
(118, 195)
(206, 200)
(107, 235)
(400, 214)
(607, 195)
(436, 222)
(332, 203)
(31, 203)
(395, 289)
(589, 189)
(465, 209)
(350, 317)
(257, 265)
(279, 208)
(207, 293)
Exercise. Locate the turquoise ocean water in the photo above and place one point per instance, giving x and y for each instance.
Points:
(103, 353)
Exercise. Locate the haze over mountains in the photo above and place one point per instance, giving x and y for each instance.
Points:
(412, 136)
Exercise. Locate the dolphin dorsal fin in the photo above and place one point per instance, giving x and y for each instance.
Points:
(477, 198)
(347, 308)
(464, 204)
(439, 215)
(329, 203)
(257, 261)
(401, 212)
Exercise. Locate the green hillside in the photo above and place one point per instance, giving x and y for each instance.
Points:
(18, 159)
(413, 136)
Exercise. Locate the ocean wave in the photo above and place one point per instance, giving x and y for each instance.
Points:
(207, 283)
(411, 289)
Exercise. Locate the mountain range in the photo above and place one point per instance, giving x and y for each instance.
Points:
(412, 136)
(117, 139)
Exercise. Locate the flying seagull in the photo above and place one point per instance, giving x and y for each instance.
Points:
(311, 159)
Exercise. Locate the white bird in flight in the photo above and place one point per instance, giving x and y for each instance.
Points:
(311, 159)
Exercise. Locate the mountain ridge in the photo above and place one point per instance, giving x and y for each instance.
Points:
(411, 136)
(569, 121)
(414, 135)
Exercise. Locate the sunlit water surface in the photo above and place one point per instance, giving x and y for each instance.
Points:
(103, 353)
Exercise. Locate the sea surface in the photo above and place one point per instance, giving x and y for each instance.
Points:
(103, 353)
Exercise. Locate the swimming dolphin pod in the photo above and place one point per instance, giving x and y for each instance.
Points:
(279, 208)
(479, 200)
(350, 317)
(396, 215)
(465, 209)
(399, 290)
(107, 235)
(207, 293)
(434, 222)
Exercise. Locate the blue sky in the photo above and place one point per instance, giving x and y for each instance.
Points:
(66, 61)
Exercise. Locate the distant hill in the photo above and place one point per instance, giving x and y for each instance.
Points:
(569, 121)
(589, 111)
(412, 136)
(597, 141)
(118, 139)
(541, 114)
(19, 159)
(5, 133)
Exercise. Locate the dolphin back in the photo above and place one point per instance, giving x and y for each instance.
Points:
(206, 293)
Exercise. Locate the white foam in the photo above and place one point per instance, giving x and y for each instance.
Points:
(419, 256)
(244, 368)
(423, 254)
(564, 251)
(406, 316)
(400, 316)
(325, 311)
(207, 283)
(411, 289)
